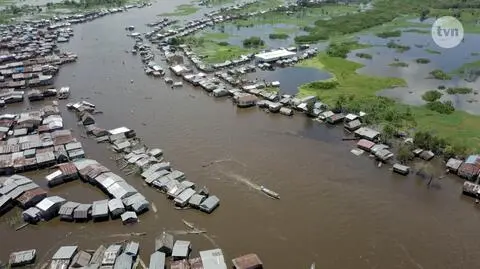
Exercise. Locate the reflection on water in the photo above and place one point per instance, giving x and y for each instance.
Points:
(291, 78)
(417, 75)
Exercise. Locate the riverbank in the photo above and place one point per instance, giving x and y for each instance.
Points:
(355, 91)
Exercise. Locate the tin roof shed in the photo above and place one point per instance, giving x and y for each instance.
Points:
(100, 209)
(116, 207)
(129, 217)
(181, 249)
(164, 243)
(132, 248)
(249, 261)
(82, 212)
(24, 257)
(65, 253)
(213, 259)
(81, 259)
(121, 190)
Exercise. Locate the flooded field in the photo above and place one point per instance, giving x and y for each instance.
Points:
(338, 210)
(417, 74)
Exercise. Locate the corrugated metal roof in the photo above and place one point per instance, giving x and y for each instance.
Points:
(157, 260)
(129, 216)
(81, 259)
(68, 168)
(48, 202)
(213, 259)
(132, 248)
(121, 190)
(65, 253)
(111, 254)
(123, 261)
(248, 261)
(100, 208)
(181, 248)
(137, 197)
(21, 257)
(115, 204)
(164, 243)
(68, 208)
(81, 212)
(97, 256)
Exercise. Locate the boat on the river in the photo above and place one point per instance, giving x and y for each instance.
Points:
(64, 93)
(270, 192)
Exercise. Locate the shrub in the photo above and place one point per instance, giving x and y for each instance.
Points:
(223, 43)
(405, 153)
(422, 61)
(439, 74)
(442, 108)
(324, 85)
(388, 34)
(364, 55)
(278, 36)
(431, 96)
(459, 90)
(253, 42)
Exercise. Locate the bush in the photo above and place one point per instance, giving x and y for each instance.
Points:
(441, 87)
(341, 50)
(431, 96)
(439, 74)
(388, 34)
(398, 47)
(442, 108)
(324, 85)
(398, 64)
(278, 36)
(405, 153)
(422, 61)
(253, 42)
(459, 90)
(364, 55)
(223, 43)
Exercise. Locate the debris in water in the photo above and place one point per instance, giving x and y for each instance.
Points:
(154, 208)
(270, 193)
(127, 235)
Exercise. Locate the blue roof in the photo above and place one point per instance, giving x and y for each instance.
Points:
(472, 159)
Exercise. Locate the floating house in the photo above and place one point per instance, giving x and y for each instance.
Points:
(129, 217)
(80, 260)
(401, 169)
(100, 210)
(210, 204)
(66, 211)
(50, 206)
(123, 261)
(31, 197)
(82, 212)
(181, 250)
(246, 100)
(21, 258)
(196, 200)
(164, 243)
(110, 254)
(157, 260)
(365, 144)
(275, 55)
(453, 165)
(32, 215)
(249, 261)
(182, 199)
(116, 208)
(213, 259)
(132, 249)
(367, 133)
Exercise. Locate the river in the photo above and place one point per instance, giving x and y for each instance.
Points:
(336, 209)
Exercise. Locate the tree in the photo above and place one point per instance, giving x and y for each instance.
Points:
(388, 132)
(426, 171)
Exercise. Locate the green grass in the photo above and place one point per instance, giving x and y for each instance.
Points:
(398, 64)
(216, 2)
(431, 51)
(468, 17)
(459, 90)
(459, 128)
(213, 52)
(417, 31)
(181, 10)
(215, 35)
(303, 18)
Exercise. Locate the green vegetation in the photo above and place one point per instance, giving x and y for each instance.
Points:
(398, 47)
(467, 66)
(357, 92)
(422, 61)
(213, 51)
(215, 2)
(404, 153)
(278, 36)
(443, 108)
(417, 31)
(432, 51)
(439, 74)
(85, 4)
(253, 42)
(399, 64)
(181, 10)
(272, 89)
(388, 34)
(459, 90)
(215, 35)
(342, 49)
(431, 96)
(363, 55)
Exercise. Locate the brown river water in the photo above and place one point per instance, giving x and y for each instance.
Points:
(336, 209)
